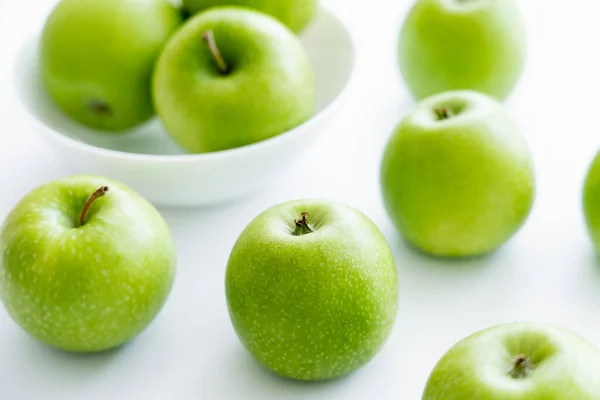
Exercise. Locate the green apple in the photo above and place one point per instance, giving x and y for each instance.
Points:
(312, 289)
(517, 361)
(462, 44)
(231, 77)
(591, 201)
(87, 263)
(97, 57)
(296, 14)
(457, 177)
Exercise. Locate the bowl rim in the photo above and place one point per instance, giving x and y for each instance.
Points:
(55, 135)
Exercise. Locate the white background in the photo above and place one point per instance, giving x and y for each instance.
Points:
(548, 272)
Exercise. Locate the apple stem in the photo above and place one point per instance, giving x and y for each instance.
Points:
(209, 38)
(302, 227)
(443, 113)
(520, 366)
(101, 191)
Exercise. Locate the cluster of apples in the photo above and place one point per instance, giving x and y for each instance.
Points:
(218, 75)
(311, 285)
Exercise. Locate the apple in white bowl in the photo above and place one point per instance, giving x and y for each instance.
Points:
(147, 160)
(295, 14)
(96, 59)
(231, 77)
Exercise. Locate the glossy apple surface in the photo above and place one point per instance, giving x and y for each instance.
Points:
(85, 287)
(457, 176)
(462, 44)
(312, 296)
(517, 361)
(296, 14)
(97, 57)
(231, 77)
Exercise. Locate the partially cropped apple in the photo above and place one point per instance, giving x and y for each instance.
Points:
(457, 177)
(591, 201)
(86, 263)
(462, 44)
(312, 289)
(231, 77)
(97, 57)
(517, 361)
(296, 14)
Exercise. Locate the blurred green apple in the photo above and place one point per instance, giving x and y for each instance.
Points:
(457, 177)
(296, 14)
(517, 361)
(97, 57)
(230, 77)
(86, 263)
(312, 289)
(462, 44)
(591, 201)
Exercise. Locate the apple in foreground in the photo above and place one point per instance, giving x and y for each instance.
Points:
(462, 44)
(296, 14)
(86, 263)
(517, 361)
(312, 289)
(97, 57)
(232, 77)
(457, 177)
(591, 201)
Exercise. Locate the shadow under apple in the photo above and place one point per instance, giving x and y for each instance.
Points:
(594, 265)
(412, 253)
(49, 363)
(247, 378)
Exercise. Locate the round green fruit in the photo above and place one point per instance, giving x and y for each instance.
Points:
(517, 361)
(86, 263)
(296, 14)
(312, 289)
(231, 77)
(462, 44)
(457, 177)
(97, 58)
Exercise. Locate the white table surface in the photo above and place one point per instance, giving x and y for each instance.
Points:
(547, 272)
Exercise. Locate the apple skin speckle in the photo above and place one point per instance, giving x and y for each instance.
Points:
(316, 306)
(77, 288)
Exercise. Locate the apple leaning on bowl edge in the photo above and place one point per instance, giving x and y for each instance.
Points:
(312, 289)
(86, 263)
(231, 77)
(295, 14)
(457, 177)
(517, 361)
(97, 57)
(462, 44)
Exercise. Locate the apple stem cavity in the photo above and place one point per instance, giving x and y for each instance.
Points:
(101, 191)
(521, 367)
(209, 38)
(443, 113)
(302, 227)
(99, 107)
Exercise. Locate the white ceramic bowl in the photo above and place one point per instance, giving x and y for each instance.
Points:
(147, 160)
